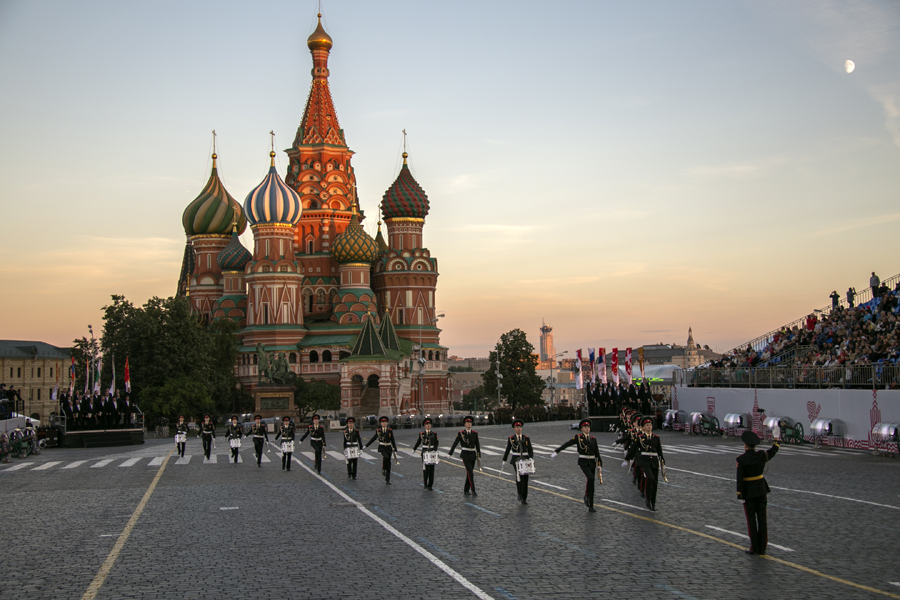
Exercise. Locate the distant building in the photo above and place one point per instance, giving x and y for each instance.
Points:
(463, 383)
(687, 356)
(477, 364)
(548, 352)
(559, 388)
(33, 368)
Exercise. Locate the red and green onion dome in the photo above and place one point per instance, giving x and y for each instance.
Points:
(214, 211)
(272, 201)
(318, 38)
(355, 245)
(405, 197)
(233, 257)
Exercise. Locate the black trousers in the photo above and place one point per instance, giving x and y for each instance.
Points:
(427, 475)
(521, 480)
(258, 445)
(649, 468)
(319, 449)
(589, 468)
(286, 460)
(180, 448)
(351, 467)
(386, 461)
(755, 511)
(234, 454)
(468, 459)
(207, 444)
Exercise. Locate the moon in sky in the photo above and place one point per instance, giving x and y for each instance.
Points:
(849, 66)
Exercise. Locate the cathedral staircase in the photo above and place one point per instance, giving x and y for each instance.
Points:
(370, 402)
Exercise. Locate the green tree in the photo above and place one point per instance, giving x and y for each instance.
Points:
(520, 383)
(314, 396)
(477, 399)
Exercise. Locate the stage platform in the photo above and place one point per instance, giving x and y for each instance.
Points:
(100, 438)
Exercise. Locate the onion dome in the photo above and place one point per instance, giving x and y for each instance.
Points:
(214, 210)
(233, 257)
(354, 245)
(319, 39)
(405, 197)
(272, 201)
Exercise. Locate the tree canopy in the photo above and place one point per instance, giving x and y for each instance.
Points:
(521, 385)
(314, 396)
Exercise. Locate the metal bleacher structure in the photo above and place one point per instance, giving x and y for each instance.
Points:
(780, 371)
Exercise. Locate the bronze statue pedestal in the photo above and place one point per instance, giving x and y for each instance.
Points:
(274, 400)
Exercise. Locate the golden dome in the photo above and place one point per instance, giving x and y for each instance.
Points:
(318, 38)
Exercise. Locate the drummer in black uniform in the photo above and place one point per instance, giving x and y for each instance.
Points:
(752, 489)
(181, 430)
(588, 459)
(647, 454)
(351, 439)
(208, 434)
(386, 445)
(470, 451)
(316, 435)
(429, 442)
(234, 433)
(259, 431)
(519, 446)
(286, 433)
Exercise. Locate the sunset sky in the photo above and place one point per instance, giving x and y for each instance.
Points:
(621, 170)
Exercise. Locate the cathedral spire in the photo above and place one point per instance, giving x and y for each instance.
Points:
(320, 123)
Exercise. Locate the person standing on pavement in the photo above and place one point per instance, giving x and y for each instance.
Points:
(588, 459)
(286, 433)
(647, 454)
(260, 433)
(316, 435)
(752, 489)
(351, 440)
(469, 451)
(208, 434)
(386, 446)
(519, 446)
(181, 430)
(429, 442)
(234, 434)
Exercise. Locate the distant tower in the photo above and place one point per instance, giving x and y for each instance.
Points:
(691, 356)
(547, 350)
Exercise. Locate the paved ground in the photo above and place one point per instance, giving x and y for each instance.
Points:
(223, 530)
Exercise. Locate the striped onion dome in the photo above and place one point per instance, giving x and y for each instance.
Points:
(355, 245)
(405, 197)
(214, 210)
(233, 257)
(272, 201)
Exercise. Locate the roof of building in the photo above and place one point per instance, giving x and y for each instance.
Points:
(354, 245)
(234, 256)
(369, 342)
(213, 211)
(29, 349)
(272, 201)
(405, 197)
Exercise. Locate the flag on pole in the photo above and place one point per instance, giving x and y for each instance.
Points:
(72, 378)
(601, 365)
(641, 361)
(96, 389)
(127, 377)
(628, 378)
(579, 380)
(112, 384)
(592, 373)
(87, 376)
(55, 393)
(614, 363)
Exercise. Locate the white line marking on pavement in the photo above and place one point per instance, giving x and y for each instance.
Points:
(108, 535)
(477, 591)
(130, 462)
(309, 455)
(549, 485)
(741, 535)
(185, 460)
(72, 465)
(897, 583)
(17, 467)
(213, 458)
(228, 508)
(623, 504)
(265, 458)
(336, 455)
(482, 509)
(47, 465)
(156, 461)
(700, 474)
(101, 464)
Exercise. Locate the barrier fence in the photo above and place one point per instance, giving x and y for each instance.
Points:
(808, 377)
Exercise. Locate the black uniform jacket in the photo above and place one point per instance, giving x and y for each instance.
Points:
(647, 448)
(518, 448)
(316, 434)
(750, 468)
(351, 438)
(467, 439)
(587, 448)
(428, 440)
(208, 429)
(286, 433)
(235, 431)
(181, 428)
(385, 438)
(261, 430)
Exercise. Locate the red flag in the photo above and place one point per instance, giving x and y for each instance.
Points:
(127, 377)
(601, 365)
(614, 362)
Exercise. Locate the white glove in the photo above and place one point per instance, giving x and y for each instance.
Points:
(625, 453)
(554, 455)
(624, 463)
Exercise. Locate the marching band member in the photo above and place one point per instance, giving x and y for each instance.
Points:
(316, 435)
(286, 433)
(259, 431)
(351, 440)
(470, 451)
(181, 430)
(520, 447)
(588, 459)
(647, 454)
(234, 434)
(386, 445)
(752, 489)
(429, 442)
(208, 433)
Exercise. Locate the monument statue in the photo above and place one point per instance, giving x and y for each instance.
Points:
(281, 373)
(263, 366)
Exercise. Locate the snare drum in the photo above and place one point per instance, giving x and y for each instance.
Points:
(351, 452)
(525, 466)
(235, 442)
(180, 438)
(287, 447)
(430, 457)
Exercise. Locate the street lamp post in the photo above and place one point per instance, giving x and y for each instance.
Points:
(421, 360)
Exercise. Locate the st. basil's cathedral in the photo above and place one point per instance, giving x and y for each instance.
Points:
(339, 305)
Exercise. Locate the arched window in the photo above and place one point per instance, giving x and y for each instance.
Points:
(310, 247)
(326, 356)
(313, 205)
(292, 358)
(430, 355)
(313, 356)
(255, 359)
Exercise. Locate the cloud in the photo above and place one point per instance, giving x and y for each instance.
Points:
(889, 98)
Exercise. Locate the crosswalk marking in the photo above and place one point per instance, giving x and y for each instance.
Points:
(17, 467)
(102, 463)
(335, 454)
(156, 461)
(130, 462)
(184, 460)
(213, 458)
(47, 465)
(77, 463)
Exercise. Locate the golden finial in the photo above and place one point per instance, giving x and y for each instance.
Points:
(214, 155)
(234, 221)
(405, 155)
